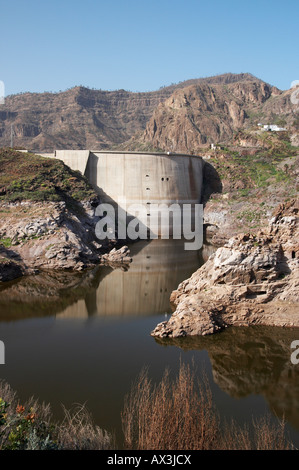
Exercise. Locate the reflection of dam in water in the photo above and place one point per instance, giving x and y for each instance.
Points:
(156, 270)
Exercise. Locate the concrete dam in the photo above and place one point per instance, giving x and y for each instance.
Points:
(125, 179)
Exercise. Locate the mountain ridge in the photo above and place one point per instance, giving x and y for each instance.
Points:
(81, 118)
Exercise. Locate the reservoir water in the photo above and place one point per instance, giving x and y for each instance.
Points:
(84, 338)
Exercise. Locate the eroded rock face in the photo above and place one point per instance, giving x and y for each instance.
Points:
(117, 257)
(46, 121)
(252, 279)
(49, 235)
(204, 113)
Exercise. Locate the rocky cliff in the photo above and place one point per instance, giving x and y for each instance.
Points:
(252, 280)
(203, 113)
(181, 117)
(78, 118)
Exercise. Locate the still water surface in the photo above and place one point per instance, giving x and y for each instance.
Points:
(84, 339)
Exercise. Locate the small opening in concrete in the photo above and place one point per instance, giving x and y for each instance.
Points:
(147, 189)
(293, 255)
(147, 176)
(162, 179)
(167, 179)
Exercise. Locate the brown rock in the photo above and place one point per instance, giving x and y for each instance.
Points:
(253, 279)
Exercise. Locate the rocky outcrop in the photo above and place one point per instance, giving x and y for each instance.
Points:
(241, 191)
(50, 235)
(252, 279)
(205, 113)
(117, 257)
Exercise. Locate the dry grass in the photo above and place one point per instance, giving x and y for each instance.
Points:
(263, 435)
(179, 414)
(77, 432)
(171, 415)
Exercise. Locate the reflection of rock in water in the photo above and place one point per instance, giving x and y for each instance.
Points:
(45, 294)
(253, 360)
(207, 251)
(157, 268)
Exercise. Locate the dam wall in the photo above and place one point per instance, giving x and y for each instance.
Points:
(125, 179)
(149, 179)
(146, 177)
(75, 159)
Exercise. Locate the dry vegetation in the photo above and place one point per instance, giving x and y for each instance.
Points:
(179, 414)
(26, 176)
(77, 432)
(175, 414)
(30, 426)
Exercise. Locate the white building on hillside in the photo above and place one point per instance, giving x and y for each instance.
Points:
(271, 127)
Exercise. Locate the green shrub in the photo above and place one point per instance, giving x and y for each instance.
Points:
(6, 242)
(30, 427)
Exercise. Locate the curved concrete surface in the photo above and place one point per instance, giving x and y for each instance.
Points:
(146, 177)
(149, 179)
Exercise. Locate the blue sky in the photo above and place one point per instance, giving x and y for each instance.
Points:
(142, 45)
